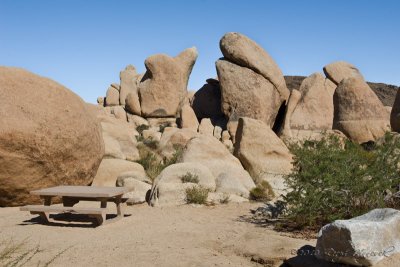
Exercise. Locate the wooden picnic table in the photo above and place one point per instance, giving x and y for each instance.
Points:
(71, 195)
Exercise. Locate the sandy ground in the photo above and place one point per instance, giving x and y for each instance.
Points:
(169, 236)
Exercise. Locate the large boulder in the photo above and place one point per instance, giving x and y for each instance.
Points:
(169, 188)
(260, 150)
(245, 93)
(47, 137)
(137, 184)
(111, 169)
(361, 241)
(314, 110)
(119, 139)
(128, 79)
(164, 85)
(188, 118)
(210, 152)
(359, 113)
(244, 52)
(395, 114)
(337, 71)
(112, 96)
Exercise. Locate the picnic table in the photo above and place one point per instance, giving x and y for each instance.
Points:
(71, 195)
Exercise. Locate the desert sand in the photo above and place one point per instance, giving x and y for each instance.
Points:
(169, 236)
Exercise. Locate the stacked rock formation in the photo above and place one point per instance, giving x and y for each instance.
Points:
(252, 85)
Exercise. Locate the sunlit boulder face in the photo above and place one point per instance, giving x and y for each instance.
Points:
(163, 87)
(47, 137)
(359, 113)
(252, 85)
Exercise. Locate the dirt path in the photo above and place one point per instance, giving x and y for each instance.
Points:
(171, 236)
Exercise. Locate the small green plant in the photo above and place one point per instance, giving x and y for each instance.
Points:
(262, 192)
(176, 156)
(163, 126)
(197, 195)
(150, 143)
(141, 128)
(152, 163)
(190, 178)
(332, 180)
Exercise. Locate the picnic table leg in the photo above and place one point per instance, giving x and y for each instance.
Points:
(45, 215)
(118, 202)
(103, 204)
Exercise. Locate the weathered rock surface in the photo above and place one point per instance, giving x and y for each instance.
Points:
(358, 112)
(164, 85)
(395, 114)
(119, 139)
(245, 93)
(361, 241)
(132, 103)
(173, 138)
(337, 71)
(207, 100)
(210, 152)
(112, 97)
(128, 78)
(243, 51)
(260, 150)
(188, 118)
(169, 189)
(47, 137)
(206, 127)
(137, 184)
(314, 111)
(111, 169)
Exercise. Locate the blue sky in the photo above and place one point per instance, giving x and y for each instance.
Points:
(84, 44)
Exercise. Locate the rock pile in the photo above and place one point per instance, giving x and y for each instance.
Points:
(231, 133)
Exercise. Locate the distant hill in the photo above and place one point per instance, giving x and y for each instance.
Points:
(385, 92)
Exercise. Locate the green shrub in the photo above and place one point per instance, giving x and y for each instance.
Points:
(152, 163)
(197, 195)
(262, 192)
(150, 143)
(176, 156)
(163, 126)
(141, 128)
(332, 180)
(190, 178)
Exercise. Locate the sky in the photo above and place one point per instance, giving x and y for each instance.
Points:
(84, 44)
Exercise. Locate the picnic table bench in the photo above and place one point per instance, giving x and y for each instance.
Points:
(71, 195)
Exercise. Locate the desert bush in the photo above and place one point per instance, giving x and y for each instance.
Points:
(151, 143)
(333, 181)
(163, 126)
(197, 195)
(141, 128)
(152, 163)
(262, 192)
(190, 178)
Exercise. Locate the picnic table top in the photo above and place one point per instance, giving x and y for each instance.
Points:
(81, 191)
